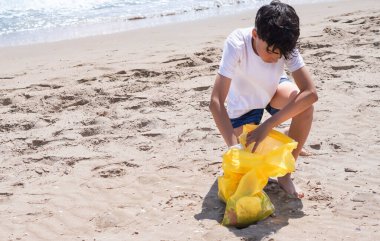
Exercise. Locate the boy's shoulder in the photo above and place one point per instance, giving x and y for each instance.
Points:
(240, 33)
(239, 36)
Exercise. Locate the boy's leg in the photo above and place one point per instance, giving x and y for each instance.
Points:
(238, 131)
(299, 128)
(301, 124)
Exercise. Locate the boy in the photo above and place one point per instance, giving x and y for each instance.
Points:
(251, 77)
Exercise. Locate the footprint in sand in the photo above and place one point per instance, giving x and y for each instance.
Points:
(88, 122)
(210, 52)
(116, 99)
(176, 60)
(168, 167)
(202, 88)
(211, 168)
(7, 77)
(106, 220)
(153, 134)
(77, 103)
(68, 97)
(185, 61)
(335, 32)
(6, 101)
(43, 86)
(114, 169)
(89, 132)
(315, 192)
(5, 196)
(343, 67)
(85, 80)
(323, 53)
(204, 103)
(214, 67)
(103, 68)
(114, 172)
(144, 73)
(309, 45)
(38, 143)
(134, 107)
(162, 103)
(121, 72)
(142, 125)
(137, 86)
(184, 201)
(338, 147)
(367, 107)
(207, 60)
(169, 75)
(23, 126)
(315, 146)
(189, 63)
(145, 147)
(355, 57)
(209, 55)
(191, 135)
(372, 86)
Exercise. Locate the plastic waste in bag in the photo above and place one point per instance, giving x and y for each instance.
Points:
(246, 174)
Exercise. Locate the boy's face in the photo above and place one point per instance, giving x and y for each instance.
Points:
(268, 55)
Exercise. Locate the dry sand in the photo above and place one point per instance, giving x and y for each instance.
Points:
(110, 137)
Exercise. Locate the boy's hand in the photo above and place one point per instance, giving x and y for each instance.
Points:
(237, 146)
(258, 135)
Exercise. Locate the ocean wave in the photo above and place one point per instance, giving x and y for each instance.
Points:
(20, 18)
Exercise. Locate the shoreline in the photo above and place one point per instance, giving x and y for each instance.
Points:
(124, 24)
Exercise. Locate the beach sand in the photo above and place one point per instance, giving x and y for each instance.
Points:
(111, 138)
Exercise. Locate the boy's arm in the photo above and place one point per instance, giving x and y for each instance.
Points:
(303, 100)
(219, 112)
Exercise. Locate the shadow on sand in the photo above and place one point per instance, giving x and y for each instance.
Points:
(286, 208)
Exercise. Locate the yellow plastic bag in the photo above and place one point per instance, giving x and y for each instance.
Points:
(247, 173)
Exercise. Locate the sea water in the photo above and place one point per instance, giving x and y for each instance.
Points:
(34, 21)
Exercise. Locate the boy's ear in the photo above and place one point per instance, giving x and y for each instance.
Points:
(254, 33)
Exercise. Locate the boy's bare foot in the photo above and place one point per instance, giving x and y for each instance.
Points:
(287, 184)
(303, 152)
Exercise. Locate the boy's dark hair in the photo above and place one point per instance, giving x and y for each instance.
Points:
(278, 25)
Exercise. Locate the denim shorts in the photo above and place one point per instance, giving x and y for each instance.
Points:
(254, 116)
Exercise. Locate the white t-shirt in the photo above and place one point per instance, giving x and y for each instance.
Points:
(254, 82)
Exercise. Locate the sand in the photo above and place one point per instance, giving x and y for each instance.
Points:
(110, 137)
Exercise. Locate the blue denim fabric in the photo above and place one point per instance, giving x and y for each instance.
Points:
(254, 116)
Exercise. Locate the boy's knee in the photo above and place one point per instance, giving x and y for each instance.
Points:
(293, 94)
